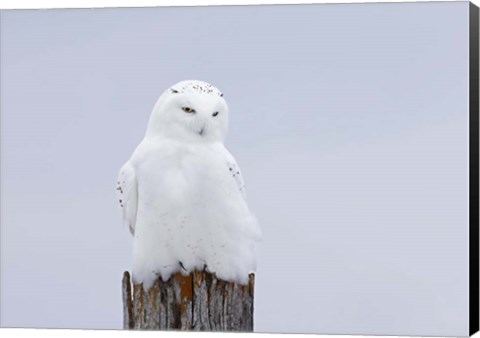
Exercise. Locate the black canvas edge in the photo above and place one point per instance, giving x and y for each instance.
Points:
(474, 172)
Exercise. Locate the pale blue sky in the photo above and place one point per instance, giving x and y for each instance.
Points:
(350, 123)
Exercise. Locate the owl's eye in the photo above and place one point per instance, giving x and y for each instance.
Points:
(215, 114)
(188, 110)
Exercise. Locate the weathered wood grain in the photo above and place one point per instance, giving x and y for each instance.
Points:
(197, 302)
(127, 301)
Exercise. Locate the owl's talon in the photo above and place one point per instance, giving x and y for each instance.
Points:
(181, 265)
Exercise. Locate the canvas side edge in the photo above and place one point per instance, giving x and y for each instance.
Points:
(474, 170)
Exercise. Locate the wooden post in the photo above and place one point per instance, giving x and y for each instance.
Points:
(197, 302)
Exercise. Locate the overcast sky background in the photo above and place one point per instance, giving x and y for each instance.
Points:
(350, 123)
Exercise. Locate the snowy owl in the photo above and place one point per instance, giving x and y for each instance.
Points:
(182, 194)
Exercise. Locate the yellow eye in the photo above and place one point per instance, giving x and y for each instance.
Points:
(188, 110)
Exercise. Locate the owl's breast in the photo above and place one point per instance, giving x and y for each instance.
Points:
(185, 175)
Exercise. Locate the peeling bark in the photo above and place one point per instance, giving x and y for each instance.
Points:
(197, 302)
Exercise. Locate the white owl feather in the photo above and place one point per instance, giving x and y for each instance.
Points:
(182, 192)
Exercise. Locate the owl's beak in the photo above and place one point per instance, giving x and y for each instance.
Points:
(201, 131)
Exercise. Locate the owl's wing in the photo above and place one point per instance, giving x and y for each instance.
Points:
(234, 171)
(127, 193)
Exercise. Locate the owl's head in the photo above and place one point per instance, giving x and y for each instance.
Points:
(192, 111)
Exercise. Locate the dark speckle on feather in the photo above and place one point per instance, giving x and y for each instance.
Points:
(198, 87)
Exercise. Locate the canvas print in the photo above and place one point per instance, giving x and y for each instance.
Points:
(268, 168)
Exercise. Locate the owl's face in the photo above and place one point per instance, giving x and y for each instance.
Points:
(190, 111)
